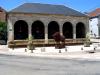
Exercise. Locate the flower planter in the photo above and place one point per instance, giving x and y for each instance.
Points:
(87, 44)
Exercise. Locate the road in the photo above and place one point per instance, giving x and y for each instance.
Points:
(25, 65)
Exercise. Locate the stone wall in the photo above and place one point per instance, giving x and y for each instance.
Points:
(47, 18)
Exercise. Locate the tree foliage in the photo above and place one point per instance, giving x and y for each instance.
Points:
(59, 38)
(3, 31)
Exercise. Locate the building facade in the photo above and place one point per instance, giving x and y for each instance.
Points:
(3, 17)
(43, 24)
(94, 23)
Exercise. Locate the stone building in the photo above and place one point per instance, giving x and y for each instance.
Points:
(3, 17)
(43, 20)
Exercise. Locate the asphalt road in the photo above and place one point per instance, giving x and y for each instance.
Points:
(23, 65)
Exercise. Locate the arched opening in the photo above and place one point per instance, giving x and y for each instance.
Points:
(38, 30)
(52, 28)
(20, 30)
(68, 30)
(80, 30)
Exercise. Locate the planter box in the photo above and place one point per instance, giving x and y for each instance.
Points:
(86, 44)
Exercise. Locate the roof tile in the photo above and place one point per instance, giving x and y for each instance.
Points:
(94, 13)
(46, 9)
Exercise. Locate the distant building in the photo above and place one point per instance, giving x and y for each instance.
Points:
(94, 23)
(3, 17)
(43, 20)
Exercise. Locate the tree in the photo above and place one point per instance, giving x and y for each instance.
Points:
(59, 39)
(3, 31)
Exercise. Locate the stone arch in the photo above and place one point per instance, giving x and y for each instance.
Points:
(38, 30)
(20, 30)
(68, 30)
(80, 30)
(53, 27)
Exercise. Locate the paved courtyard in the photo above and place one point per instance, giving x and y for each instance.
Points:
(70, 52)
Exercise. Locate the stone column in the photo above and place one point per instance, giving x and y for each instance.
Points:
(46, 34)
(10, 29)
(29, 30)
(87, 26)
(74, 32)
(61, 29)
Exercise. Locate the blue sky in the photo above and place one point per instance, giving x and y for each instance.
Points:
(80, 5)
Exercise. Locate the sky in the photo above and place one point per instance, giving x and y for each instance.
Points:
(79, 5)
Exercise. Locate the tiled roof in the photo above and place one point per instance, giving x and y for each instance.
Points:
(46, 9)
(94, 13)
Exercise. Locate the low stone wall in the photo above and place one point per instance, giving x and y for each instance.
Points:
(41, 42)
